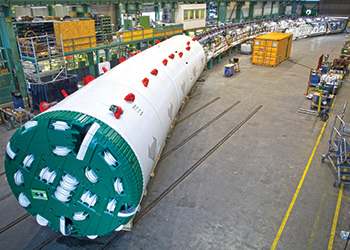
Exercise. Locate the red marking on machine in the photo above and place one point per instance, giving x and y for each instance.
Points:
(88, 79)
(145, 82)
(117, 111)
(130, 97)
(154, 72)
(64, 93)
(122, 59)
(45, 106)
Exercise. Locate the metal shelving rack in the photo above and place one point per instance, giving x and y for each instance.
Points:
(103, 28)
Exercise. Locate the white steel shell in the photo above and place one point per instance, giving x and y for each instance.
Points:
(145, 122)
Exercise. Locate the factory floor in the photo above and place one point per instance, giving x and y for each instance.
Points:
(252, 178)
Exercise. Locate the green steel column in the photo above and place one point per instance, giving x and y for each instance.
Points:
(107, 55)
(9, 42)
(138, 9)
(97, 62)
(281, 9)
(118, 12)
(131, 8)
(251, 10)
(263, 9)
(91, 64)
(173, 9)
(222, 12)
(271, 12)
(210, 63)
(294, 8)
(51, 9)
(156, 10)
(86, 9)
(239, 12)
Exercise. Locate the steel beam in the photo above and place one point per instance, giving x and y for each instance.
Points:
(9, 42)
(86, 9)
(271, 12)
(51, 9)
(251, 10)
(263, 8)
(239, 12)
(156, 10)
(222, 12)
(294, 8)
(118, 12)
(91, 64)
(88, 2)
(174, 7)
(281, 9)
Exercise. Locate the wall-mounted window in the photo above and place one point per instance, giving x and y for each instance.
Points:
(197, 14)
(191, 14)
(185, 14)
(194, 14)
(202, 13)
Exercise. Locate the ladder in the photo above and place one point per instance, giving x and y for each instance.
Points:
(339, 149)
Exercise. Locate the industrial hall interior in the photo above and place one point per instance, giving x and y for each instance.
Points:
(175, 125)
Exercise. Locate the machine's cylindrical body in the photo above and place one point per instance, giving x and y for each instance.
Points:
(82, 171)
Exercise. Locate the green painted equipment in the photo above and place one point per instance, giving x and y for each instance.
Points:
(90, 197)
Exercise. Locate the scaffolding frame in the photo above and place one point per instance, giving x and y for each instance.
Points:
(42, 59)
(339, 149)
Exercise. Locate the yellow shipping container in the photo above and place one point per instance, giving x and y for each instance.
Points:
(271, 49)
(82, 31)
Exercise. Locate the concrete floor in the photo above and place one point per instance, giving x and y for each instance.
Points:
(239, 196)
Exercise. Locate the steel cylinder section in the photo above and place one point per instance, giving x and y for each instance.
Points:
(80, 170)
